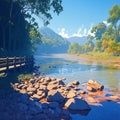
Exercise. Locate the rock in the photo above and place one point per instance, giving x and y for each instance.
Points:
(47, 79)
(82, 92)
(23, 91)
(31, 89)
(89, 88)
(114, 97)
(43, 87)
(95, 85)
(73, 84)
(58, 110)
(38, 104)
(76, 104)
(16, 84)
(90, 99)
(76, 82)
(39, 92)
(30, 93)
(37, 85)
(63, 78)
(24, 87)
(32, 81)
(65, 115)
(55, 96)
(53, 79)
(44, 105)
(20, 86)
(102, 99)
(71, 94)
(52, 86)
(53, 105)
(36, 97)
(60, 82)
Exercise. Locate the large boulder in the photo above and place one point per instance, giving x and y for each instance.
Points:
(76, 104)
(55, 96)
(94, 86)
(71, 94)
(90, 99)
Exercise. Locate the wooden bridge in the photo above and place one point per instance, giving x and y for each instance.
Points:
(11, 63)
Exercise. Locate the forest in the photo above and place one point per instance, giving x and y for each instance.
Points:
(18, 27)
(105, 37)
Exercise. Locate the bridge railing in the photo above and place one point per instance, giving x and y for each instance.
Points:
(9, 63)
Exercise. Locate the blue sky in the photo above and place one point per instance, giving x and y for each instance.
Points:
(80, 15)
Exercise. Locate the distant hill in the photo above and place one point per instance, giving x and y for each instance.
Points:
(51, 42)
(80, 40)
(49, 33)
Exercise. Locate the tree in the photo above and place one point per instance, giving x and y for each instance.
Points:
(17, 21)
(74, 48)
(41, 8)
(114, 19)
(98, 30)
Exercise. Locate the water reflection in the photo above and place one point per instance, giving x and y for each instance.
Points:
(78, 69)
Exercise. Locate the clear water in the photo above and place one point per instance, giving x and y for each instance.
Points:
(59, 65)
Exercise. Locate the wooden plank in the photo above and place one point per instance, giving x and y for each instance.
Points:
(15, 62)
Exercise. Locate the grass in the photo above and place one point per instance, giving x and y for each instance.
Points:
(2, 75)
(23, 77)
(99, 56)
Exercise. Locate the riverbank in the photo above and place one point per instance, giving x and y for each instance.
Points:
(114, 61)
(49, 98)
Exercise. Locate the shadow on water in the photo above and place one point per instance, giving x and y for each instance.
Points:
(82, 112)
(12, 77)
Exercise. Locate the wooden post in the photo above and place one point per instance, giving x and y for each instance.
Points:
(14, 62)
(7, 64)
(24, 62)
(20, 60)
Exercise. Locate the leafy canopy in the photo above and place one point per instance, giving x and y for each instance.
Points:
(41, 8)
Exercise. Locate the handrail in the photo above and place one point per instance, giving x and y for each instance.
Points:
(15, 62)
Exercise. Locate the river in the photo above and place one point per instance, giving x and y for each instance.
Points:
(73, 68)
(63, 65)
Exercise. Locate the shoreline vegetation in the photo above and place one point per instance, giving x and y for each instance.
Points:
(41, 95)
(52, 95)
(114, 61)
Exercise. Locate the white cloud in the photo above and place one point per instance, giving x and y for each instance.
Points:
(106, 23)
(81, 32)
(63, 33)
(89, 32)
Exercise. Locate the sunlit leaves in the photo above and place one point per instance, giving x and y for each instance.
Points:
(41, 8)
(34, 36)
(114, 14)
(98, 30)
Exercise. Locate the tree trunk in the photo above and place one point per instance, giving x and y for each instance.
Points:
(3, 37)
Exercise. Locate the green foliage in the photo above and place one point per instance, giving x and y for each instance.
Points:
(98, 30)
(35, 37)
(106, 37)
(114, 15)
(41, 8)
(74, 48)
(114, 19)
(2, 75)
(21, 31)
(23, 77)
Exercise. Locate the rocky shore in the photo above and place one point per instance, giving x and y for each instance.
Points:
(49, 98)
